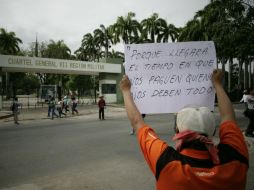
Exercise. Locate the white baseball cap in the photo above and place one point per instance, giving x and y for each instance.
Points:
(198, 119)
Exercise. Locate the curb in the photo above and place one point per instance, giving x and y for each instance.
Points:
(5, 115)
(89, 111)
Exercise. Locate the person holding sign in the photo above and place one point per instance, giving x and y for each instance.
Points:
(196, 163)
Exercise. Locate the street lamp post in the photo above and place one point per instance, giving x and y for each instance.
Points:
(1, 93)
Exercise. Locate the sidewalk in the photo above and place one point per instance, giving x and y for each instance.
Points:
(5, 114)
(42, 112)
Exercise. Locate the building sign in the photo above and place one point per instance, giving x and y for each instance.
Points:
(166, 77)
(35, 64)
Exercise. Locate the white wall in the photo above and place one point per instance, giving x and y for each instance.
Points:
(109, 98)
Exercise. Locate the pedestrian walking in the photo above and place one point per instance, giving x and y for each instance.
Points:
(196, 163)
(74, 105)
(49, 107)
(101, 105)
(59, 108)
(66, 104)
(52, 107)
(249, 113)
(15, 110)
(244, 99)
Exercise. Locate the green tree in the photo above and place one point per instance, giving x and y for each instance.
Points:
(116, 54)
(30, 83)
(91, 47)
(193, 31)
(81, 83)
(57, 50)
(103, 38)
(126, 28)
(229, 25)
(9, 43)
(166, 32)
(150, 26)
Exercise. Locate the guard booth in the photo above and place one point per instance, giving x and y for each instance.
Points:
(109, 71)
(46, 91)
(109, 82)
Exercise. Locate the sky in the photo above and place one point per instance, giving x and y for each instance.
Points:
(70, 20)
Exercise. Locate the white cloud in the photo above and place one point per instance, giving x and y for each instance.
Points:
(69, 20)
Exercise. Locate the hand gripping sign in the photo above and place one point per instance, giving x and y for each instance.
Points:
(166, 77)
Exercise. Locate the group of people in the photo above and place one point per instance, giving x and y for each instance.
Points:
(62, 106)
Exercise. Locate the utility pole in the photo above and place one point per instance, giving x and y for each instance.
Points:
(1, 92)
(36, 47)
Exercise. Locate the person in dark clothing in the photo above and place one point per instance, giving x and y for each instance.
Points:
(249, 113)
(49, 106)
(101, 105)
(52, 107)
(74, 104)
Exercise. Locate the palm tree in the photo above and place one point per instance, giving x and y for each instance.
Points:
(116, 54)
(231, 26)
(193, 31)
(57, 50)
(82, 54)
(103, 38)
(91, 47)
(126, 28)
(9, 43)
(166, 31)
(150, 26)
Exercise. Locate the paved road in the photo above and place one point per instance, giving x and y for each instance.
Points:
(81, 153)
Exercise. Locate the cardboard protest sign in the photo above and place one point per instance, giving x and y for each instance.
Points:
(166, 77)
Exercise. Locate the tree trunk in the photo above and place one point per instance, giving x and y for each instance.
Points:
(7, 87)
(240, 74)
(1, 92)
(223, 65)
(250, 81)
(252, 75)
(223, 62)
(230, 73)
(245, 80)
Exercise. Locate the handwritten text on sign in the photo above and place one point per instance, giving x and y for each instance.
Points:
(166, 77)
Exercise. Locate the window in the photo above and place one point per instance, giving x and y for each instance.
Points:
(108, 88)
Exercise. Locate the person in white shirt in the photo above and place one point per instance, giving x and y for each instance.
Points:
(245, 94)
(15, 110)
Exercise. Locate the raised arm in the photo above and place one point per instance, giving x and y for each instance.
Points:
(225, 107)
(133, 114)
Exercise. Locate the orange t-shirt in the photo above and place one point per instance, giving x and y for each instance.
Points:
(193, 169)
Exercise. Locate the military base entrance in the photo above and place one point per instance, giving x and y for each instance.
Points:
(108, 70)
